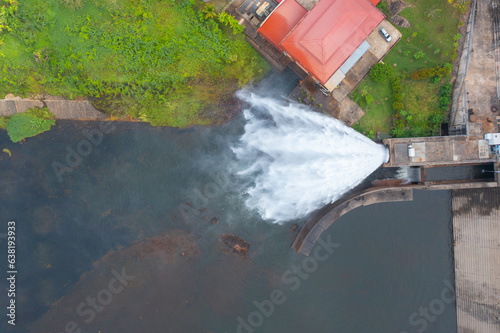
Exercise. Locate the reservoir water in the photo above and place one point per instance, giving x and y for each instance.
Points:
(126, 239)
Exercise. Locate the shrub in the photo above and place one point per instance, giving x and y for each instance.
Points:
(425, 73)
(395, 81)
(444, 102)
(396, 85)
(381, 72)
(447, 68)
(396, 94)
(444, 96)
(436, 118)
(29, 123)
(368, 98)
(228, 19)
(209, 11)
(418, 55)
(397, 106)
(371, 135)
(446, 89)
(435, 79)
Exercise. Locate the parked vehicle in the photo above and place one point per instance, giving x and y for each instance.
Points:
(385, 34)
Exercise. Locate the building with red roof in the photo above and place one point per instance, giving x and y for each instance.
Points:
(282, 20)
(326, 41)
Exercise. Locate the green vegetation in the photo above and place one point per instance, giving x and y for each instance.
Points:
(382, 6)
(433, 72)
(428, 47)
(3, 122)
(428, 120)
(380, 72)
(27, 124)
(163, 61)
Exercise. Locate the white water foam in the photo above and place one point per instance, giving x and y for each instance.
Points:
(300, 160)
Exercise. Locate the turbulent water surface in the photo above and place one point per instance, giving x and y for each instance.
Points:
(300, 160)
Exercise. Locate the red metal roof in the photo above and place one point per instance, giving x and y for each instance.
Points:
(374, 2)
(327, 36)
(281, 21)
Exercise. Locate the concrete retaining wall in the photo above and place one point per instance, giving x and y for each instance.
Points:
(319, 222)
(369, 195)
(60, 107)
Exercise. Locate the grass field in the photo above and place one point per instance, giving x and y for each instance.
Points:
(427, 43)
(165, 62)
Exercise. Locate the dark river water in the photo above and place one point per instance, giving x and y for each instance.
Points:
(125, 240)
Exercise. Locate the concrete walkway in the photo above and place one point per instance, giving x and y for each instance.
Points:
(60, 107)
(480, 84)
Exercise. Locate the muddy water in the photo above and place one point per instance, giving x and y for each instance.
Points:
(143, 203)
(125, 240)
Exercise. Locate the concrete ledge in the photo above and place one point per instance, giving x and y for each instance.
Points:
(320, 221)
(370, 194)
(60, 107)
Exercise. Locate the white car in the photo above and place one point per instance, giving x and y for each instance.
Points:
(385, 34)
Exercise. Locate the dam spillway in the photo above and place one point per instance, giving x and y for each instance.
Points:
(438, 151)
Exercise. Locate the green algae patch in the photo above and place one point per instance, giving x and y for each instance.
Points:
(30, 123)
(3, 122)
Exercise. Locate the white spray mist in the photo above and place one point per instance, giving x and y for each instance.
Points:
(301, 160)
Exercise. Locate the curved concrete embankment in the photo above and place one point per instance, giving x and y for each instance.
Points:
(321, 220)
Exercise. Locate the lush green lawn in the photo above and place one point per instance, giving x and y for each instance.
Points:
(164, 62)
(427, 43)
(379, 112)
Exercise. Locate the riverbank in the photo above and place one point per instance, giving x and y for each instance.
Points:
(167, 63)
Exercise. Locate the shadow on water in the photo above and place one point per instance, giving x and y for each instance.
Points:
(277, 85)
